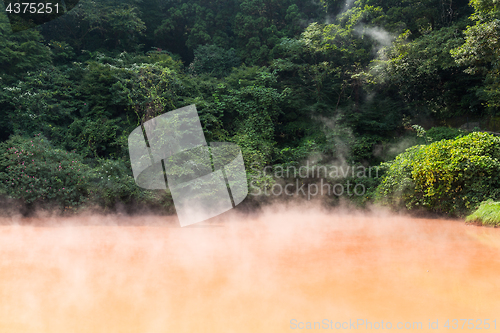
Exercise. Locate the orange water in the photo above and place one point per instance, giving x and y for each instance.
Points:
(240, 274)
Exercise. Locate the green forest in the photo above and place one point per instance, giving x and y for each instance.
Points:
(408, 87)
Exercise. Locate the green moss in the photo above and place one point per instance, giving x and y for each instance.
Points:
(488, 213)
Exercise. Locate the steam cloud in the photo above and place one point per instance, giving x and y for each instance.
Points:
(382, 37)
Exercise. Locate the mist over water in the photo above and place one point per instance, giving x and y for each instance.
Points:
(240, 273)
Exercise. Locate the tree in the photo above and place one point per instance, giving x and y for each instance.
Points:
(99, 25)
(481, 50)
(427, 78)
(213, 60)
(20, 51)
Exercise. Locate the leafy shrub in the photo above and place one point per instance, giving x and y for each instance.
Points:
(43, 101)
(33, 171)
(36, 173)
(488, 213)
(20, 52)
(94, 137)
(398, 187)
(444, 133)
(62, 51)
(449, 176)
(112, 184)
(437, 133)
(368, 185)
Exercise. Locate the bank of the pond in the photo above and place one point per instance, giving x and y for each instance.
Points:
(487, 214)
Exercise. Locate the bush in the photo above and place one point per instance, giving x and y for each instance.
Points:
(449, 176)
(369, 186)
(488, 213)
(444, 133)
(35, 172)
(112, 184)
(39, 175)
(62, 51)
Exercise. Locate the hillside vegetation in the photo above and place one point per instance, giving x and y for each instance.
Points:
(290, 81)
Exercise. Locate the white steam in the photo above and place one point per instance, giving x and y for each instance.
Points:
(383, 39)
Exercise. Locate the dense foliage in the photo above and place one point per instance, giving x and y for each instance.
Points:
(35, 171)
(289, 81)
(44, 176)
(450, 176)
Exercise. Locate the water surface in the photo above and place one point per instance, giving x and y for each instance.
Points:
(263, 273)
